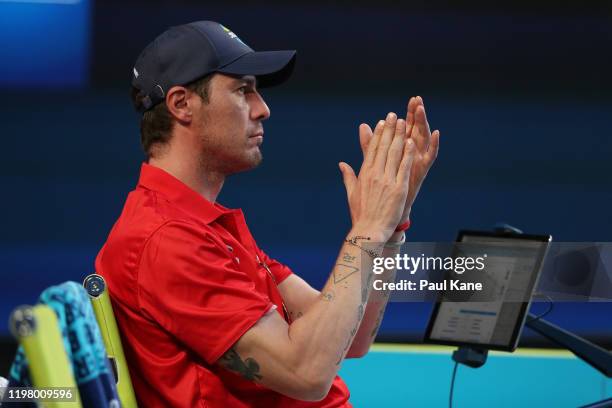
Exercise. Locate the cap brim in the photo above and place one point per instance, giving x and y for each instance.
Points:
(270, 67)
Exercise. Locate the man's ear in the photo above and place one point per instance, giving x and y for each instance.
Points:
(178, 104)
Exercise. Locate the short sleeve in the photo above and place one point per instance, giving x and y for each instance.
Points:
(191, 287)
(279, 270)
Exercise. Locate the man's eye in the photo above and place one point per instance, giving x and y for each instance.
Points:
(242, 89)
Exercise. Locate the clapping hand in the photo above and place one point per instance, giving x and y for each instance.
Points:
(377, 195)
(425, 152)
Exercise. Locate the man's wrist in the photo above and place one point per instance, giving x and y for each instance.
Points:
(396, 237)
(406, 215)
(369, 234)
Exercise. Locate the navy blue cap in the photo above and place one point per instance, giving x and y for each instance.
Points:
(188, 52)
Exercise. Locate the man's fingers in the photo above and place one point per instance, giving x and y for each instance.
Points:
(373, 144)
(434, 146)
(403, 173)
(349, 178)
(423, 135)
(412, 104)
(365, 136)
(385, 142)
(396, 149)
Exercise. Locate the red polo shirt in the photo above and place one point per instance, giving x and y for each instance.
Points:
(186, 281)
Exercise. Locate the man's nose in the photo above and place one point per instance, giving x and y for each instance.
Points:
(259, 109)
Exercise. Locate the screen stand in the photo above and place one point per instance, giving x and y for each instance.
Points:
(595, 356)
(470, 356)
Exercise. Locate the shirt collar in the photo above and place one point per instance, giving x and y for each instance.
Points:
(155, 179)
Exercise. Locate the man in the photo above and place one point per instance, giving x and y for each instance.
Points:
(207, 318)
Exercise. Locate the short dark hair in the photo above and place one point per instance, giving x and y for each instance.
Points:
(157, 123)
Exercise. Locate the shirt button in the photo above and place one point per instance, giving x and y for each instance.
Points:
(237, 259)
(229, 248)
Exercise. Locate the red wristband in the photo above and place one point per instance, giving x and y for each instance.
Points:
(403, 227)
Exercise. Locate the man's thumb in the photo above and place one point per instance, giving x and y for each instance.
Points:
(348, 175)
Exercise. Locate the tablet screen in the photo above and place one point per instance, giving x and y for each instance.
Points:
(491, 318)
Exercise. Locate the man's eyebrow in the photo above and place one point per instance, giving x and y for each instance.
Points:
(250, 80)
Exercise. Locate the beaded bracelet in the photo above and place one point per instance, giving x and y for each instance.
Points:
(396, 244)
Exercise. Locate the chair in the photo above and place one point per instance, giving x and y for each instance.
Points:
(37, 330)
(64, 342)
(95, 286)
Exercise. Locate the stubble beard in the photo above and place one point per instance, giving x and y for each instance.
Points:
(223, 162)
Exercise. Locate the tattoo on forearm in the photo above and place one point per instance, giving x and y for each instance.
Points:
(386, 293)
(352, 334)
(348, 258)
(248, 369)
(357, 238)
(328, 296)
(342, 271)
(370, 277)
(366, 288)
(354, 241)
(378, 322)
(359, 313)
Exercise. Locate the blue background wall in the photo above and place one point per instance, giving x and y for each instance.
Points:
(521, 95)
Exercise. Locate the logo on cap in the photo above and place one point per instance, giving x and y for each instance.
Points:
(135, 73)
(231, 33)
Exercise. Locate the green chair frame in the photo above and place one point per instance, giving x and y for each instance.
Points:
(95, 285)
(37, 330)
